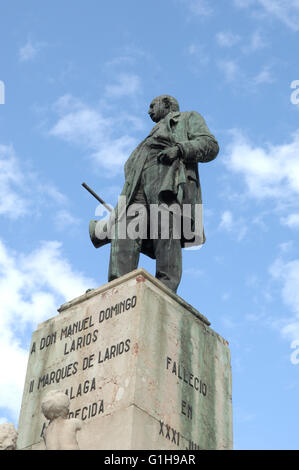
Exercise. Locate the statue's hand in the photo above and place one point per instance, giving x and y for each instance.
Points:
(168, 155)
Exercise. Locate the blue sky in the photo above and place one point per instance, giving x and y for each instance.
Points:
(78, 79)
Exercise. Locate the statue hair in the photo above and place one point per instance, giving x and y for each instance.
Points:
(55, 404)
(170, 102)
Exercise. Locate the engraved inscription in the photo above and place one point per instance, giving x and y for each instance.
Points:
(117, 308)
(169, 433)
(186, 376)
(175, 437)
(186, 409)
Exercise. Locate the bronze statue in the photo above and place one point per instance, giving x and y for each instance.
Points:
(161, 173)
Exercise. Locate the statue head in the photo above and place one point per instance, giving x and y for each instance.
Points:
(161, 106)
(55, 404)
(8, 436)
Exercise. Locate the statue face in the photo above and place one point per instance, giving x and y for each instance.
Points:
(158, 109)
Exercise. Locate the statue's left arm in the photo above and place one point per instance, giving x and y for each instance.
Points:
(201, 145)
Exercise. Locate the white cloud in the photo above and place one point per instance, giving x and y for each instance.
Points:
(286, 247)
(287, 273)
(227, 39)
(255, 42)
(194, 272)
(121, 61)
(226, 221)
(83, 125)
(32, 287)
(286, 11)
(264, 76)
(199, 53)
(13, 370)
(46, 266)
(12, 202)
(236, 76)
(29, 51)
(292, 220)
(126, 85)
(65, 220)
(88, 127)
(244, 3)
(51, 193)
(237, 227)
(22, 192)
(199, 7)
(268, 171)
(230, 70)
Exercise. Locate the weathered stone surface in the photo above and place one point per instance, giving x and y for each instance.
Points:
(8, 436)
(61, 432)
(142, 368)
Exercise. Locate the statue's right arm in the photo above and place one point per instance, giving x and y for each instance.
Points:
(201, 145)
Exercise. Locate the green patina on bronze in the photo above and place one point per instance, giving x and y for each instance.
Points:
(162, 170)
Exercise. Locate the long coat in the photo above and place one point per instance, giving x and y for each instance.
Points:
(188, 131)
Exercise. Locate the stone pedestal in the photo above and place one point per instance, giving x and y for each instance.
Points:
(142, 368)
